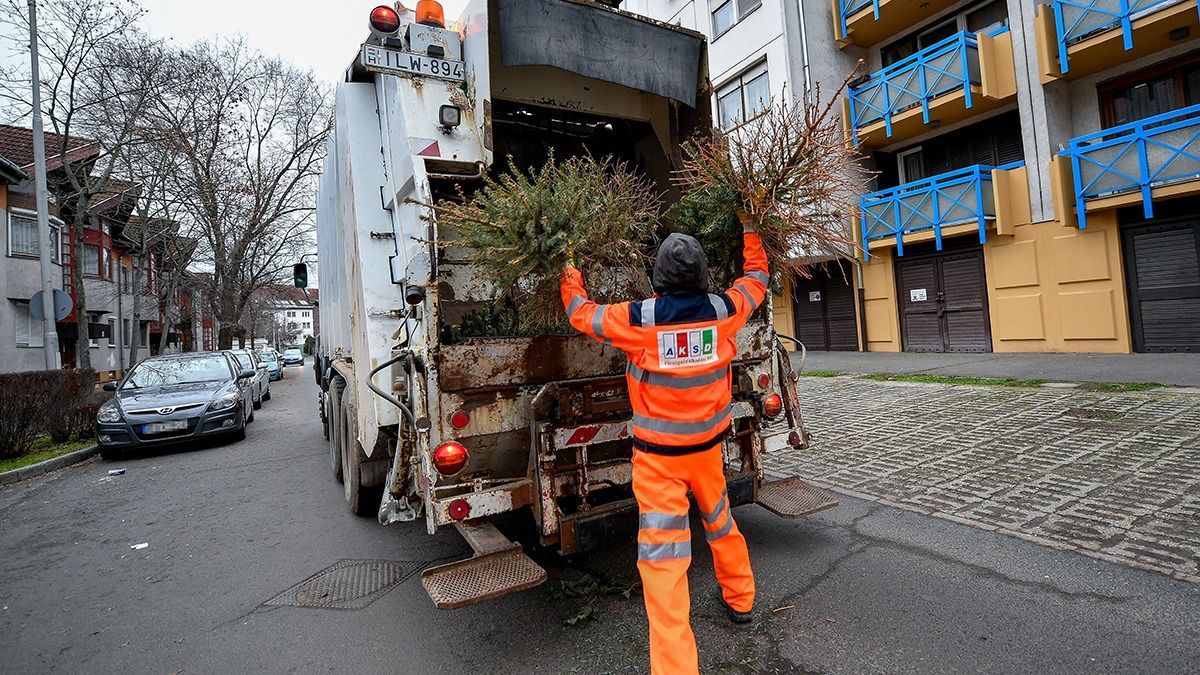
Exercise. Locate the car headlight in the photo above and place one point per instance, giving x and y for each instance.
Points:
(108, 414)
(225, 402)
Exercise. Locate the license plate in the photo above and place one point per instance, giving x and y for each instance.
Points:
(161, 427)
(380, 60)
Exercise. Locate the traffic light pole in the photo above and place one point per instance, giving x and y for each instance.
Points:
(49, 332)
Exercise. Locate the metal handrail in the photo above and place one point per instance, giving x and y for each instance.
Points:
(849, 7)
(940, 68)
(1098, 16)
(1160, 160)
(933, 203)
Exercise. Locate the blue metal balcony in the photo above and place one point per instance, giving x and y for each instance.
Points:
(942, 68)
(1077, 20)
(850, 7)
(932, 204)
(1137, 157)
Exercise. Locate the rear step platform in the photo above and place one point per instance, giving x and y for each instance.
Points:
(794, 498)
(499, 567)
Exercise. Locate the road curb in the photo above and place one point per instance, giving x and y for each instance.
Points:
(49, 465)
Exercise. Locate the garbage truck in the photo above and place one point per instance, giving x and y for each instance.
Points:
(428, 424)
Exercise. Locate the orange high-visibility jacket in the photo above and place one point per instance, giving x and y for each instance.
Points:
(679, 346)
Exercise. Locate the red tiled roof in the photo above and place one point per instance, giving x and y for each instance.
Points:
(16, 143)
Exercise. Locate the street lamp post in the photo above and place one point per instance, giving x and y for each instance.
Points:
(49, 333)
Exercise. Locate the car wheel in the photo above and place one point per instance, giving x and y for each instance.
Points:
(258, 403)
(240, 434)
(363, 501)
(250, 417)
(267, 396)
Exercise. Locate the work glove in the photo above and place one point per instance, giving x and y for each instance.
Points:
(570, 256)
(746, 221)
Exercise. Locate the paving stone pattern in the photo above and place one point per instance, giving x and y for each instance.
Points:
(1114, 475)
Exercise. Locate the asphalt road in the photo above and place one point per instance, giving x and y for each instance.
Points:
(860, 588)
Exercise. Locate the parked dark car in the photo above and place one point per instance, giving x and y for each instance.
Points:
(167, 399)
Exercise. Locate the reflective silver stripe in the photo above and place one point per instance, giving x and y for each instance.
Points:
(719, 307)
(724, 530)
(576, 303)
(648, 312)
(747, 229)
(760, 277)
(753, 303)
(598, 321)
(674, 382)
(673, 427)
(672, 551)
(662, 521)
(712, 516)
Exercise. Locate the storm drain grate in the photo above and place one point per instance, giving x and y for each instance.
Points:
(349, 584)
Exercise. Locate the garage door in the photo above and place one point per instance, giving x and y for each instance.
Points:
(824, 310)
(943, 302)
(1162, 270)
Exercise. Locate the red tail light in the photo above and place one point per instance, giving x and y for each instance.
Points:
(429, 13)
(450, 458)
(772, 405)
(459, 509)
(764, 381)
(460, 419)
(385, 20)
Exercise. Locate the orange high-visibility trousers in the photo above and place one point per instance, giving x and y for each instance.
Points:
(661, 484)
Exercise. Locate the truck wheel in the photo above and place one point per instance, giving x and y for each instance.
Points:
(363, 501)
(333, 427)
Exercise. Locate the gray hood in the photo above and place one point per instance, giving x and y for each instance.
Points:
(680, 266)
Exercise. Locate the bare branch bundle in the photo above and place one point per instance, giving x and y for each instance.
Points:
(790, 169)
(520, 228)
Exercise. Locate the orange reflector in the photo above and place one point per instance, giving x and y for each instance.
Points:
(772, 405)
(764, 381)
(459, 509)
(450, 458)
(429, 13)
(460, 419)
(384, 19)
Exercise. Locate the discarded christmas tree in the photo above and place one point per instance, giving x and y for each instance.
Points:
(520, 229)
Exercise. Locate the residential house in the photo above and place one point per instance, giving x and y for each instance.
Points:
(297, 311)
(1038, 163)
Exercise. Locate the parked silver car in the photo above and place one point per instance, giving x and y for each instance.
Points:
(262, 379)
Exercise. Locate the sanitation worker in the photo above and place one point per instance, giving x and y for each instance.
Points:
(680, 344)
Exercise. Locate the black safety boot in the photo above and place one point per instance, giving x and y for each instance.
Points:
(734, 615)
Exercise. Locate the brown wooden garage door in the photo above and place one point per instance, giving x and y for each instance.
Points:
(1162, 270)
(943, 301)
(824, 310)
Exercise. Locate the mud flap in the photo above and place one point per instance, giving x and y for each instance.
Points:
(794, 498)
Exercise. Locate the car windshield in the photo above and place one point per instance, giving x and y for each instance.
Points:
(292, 352)
(267, 356)
(243, 361)
(157, 372)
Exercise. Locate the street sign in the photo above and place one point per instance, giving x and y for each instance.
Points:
(62, 305)
(393, 62)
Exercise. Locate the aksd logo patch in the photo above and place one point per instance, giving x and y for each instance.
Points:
(679, 348)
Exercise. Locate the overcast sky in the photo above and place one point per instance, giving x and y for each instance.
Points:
(319, 34)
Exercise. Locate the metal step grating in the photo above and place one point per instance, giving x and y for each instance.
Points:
(794, 498)
(484, 577)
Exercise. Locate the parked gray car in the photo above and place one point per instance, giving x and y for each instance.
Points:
(262, 380)
(167, 399)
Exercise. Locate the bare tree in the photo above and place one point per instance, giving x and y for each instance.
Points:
(94, 86)
(251, 131)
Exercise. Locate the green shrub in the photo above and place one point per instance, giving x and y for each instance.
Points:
(58, 403)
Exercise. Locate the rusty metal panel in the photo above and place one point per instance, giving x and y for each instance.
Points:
(504, 362)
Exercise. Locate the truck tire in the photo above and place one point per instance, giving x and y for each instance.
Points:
(363, 501)
(333, 426)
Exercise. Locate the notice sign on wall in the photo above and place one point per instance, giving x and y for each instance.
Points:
(918, 295)
(814, 296)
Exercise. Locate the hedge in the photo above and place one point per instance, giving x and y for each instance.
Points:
(58, 403)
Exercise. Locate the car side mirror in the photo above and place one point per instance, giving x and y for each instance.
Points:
(111, 385)
(300, 275)
(246, 374)
(262, 366)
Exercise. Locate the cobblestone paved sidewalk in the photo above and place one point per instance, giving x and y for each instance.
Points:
(1114, 475)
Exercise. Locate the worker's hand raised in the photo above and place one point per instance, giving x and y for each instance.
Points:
(570, 256)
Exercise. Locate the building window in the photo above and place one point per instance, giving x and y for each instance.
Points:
(744, 96)
(722, 18)
(985, 16)
(28, 330)
(1150, 92)
(23, 239)
(291, 315)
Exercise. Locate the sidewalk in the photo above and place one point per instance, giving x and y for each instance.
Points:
(1170, 369)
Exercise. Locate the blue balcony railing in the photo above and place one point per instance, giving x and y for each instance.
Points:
(931, 204)
(941, 68)
(1136, 157)
(1077, 20)
(848, 8)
